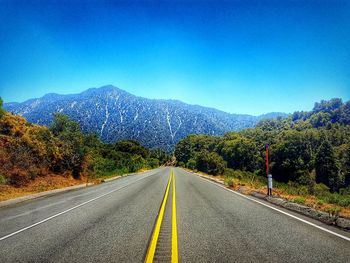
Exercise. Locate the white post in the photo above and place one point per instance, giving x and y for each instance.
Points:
(269, 182)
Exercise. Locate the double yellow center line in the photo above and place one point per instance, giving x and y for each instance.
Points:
(153, 244)
(174, 249)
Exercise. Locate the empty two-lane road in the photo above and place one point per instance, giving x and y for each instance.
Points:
(116, 222)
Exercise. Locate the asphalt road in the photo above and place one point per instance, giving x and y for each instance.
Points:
(114, 222)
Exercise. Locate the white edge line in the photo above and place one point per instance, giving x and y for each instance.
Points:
(68, 210)
(278, 210)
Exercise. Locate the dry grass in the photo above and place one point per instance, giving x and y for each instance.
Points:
(39, 184)
(48, 182)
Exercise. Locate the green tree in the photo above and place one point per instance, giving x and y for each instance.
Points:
(342, 154)
(327, 169)
(345, 114)
(188, 147)
(104, 166)
(72, 147)
(191, 164)
(62, 124)
(132, 147)
(210, 162)
(293, 155)
(183, 150)
(320, 119)
(161, 155)
(328, 106)
(153, 162)
(347, 167)
(2, 111)
(241, 153)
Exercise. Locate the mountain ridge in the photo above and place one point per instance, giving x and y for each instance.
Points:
(115, 114)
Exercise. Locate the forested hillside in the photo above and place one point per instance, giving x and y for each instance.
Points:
(29, 151)
(310, 150)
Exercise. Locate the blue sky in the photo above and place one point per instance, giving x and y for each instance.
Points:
(238, 56)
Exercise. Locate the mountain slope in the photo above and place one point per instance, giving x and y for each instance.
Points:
(115, 114)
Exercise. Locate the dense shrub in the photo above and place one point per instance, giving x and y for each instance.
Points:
(191, 164)
(103, 166)
(18, 178)
(240, 153)
(327, 169)
(2, 179)
(299, 200)
(210, 162)
(321, 189)
(132, 147)
(2, 112)
(153, 162)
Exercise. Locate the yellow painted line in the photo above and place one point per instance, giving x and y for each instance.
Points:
(174, 248)
(154, 240)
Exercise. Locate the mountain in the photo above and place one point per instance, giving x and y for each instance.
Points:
(115, 114)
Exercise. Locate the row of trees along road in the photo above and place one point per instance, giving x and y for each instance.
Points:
(306, 148)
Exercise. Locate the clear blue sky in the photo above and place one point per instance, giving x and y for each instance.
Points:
(238, 56)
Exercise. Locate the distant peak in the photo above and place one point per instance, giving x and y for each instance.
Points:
(106, 88)
(51, 95)
(109, 87)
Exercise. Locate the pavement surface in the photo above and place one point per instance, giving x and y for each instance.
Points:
(114, 222)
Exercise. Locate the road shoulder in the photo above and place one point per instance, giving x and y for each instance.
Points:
(28, 197)
(308, 213)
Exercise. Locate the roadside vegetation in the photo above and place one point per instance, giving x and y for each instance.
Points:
(309, 155)
(39, 158)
